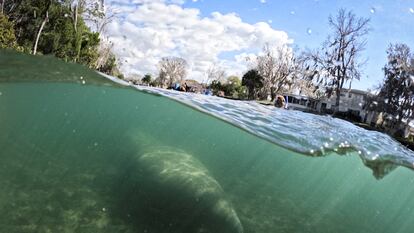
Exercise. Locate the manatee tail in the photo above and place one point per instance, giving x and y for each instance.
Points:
(226, 213)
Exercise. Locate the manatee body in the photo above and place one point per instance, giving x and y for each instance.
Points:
(179, 190)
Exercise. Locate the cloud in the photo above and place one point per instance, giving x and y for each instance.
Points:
(147, 30)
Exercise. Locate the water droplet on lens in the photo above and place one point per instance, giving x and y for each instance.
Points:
(81, 77)
(309, 31)
(270, 21)
(1, 93)
(312, 151)
(292, 12)
(83, 82)
(411, 10)
(372, 10)
(95, 144)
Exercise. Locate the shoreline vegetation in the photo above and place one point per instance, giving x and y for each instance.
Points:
(74, 31)
(69, 30)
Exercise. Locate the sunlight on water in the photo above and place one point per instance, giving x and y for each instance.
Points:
(104, 158)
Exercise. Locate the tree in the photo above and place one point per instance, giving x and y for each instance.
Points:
(233, 87)
(147, 79)
(252, 80)
(171, 70)
(215, 73)
(7, 37)
(396, 96)
(278, 67)
(234, 80)
(338, 61)
(42, 25)
(47, 27)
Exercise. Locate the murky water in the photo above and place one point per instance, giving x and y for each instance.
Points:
(86, 155)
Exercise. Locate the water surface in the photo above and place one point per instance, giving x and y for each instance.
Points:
(68, 154)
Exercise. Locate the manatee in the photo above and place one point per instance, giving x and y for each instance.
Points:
(178, 191)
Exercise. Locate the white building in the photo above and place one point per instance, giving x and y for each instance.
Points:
(300, 102)
(351, 101)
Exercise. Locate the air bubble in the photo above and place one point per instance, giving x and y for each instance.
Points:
(411, 10)
(95, 144)
(1, 93)
(83, 82)
(309, 31)
(292, 12)
(372, 10)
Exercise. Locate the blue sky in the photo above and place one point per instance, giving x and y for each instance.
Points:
(306, 22)
(206, 32)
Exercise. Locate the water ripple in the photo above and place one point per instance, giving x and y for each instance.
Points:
(309, 134)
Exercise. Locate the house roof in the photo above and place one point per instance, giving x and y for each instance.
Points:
(355, 91)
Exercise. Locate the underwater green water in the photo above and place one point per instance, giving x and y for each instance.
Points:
(68, 163)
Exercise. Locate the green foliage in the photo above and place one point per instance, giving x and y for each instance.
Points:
(216, 87)
(147, 79)
(121, 76)
(396, 96)
(232, 88)
(109, 66)
(234, 80)
(60, 36)
(7, 37)
(253, 81)
(241, 92)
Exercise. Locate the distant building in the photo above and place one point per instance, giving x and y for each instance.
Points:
(300, 102)
(352, 102)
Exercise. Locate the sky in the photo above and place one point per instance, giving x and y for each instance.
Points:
(225, 33)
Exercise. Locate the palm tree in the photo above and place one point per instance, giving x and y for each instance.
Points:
(252, 80)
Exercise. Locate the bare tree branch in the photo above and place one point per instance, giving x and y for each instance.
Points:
(338, 61)
(171, 70)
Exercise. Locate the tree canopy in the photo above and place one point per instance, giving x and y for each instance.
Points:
(253, 81)
(7, 37)
(55, 27)
(397, 92)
